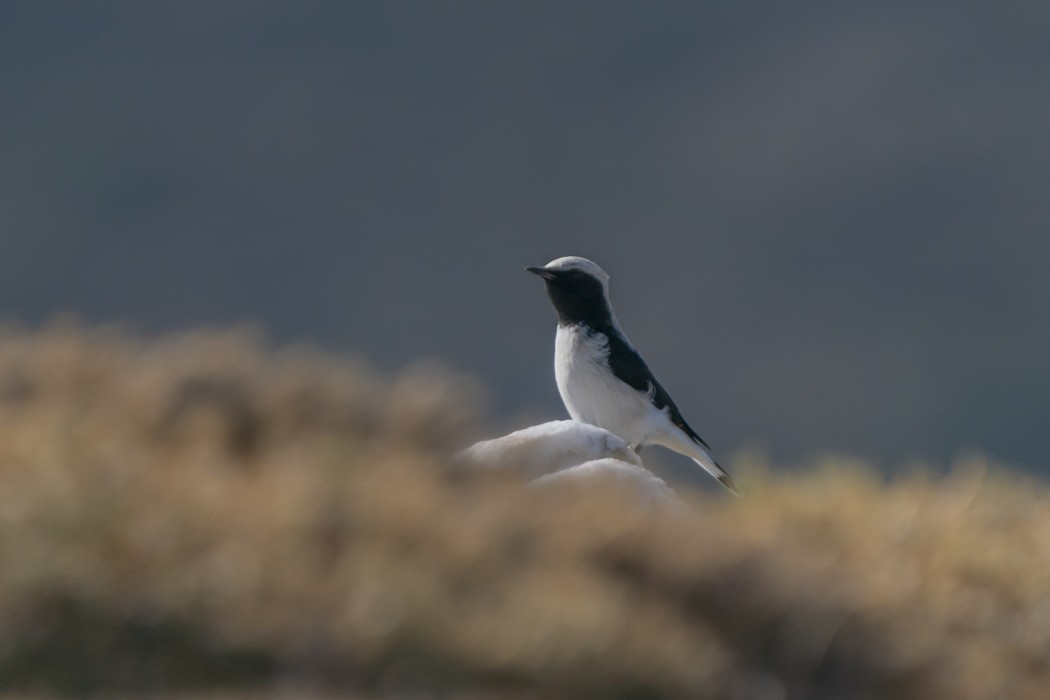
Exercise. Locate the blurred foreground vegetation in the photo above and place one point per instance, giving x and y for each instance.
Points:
(201, 514)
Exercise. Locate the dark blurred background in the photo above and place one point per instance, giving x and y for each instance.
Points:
(826, 229)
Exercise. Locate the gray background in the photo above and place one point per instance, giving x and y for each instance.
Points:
(827, 228)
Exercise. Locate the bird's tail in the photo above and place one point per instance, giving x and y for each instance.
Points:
(720, 474)
(716, 470)
(690, 448)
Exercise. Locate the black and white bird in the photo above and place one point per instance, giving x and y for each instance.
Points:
(601, 377)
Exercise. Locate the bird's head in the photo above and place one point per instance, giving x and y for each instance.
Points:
(578, 288)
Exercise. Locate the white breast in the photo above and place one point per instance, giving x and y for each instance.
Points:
(591, 392)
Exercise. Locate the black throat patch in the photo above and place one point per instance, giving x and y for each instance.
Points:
(579, 298)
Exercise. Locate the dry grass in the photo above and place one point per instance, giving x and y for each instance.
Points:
(202, 514)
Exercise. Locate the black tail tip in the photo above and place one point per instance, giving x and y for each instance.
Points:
(730, 484)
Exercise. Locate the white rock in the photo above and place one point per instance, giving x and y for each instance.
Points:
(651, 491)
(549, 447)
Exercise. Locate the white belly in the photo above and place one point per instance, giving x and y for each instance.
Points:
(592, 394)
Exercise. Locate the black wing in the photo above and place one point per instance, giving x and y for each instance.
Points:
(629, 367)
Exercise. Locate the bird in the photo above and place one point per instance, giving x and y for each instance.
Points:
(602, 378)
